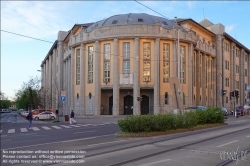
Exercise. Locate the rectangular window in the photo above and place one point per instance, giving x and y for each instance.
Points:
(227, 82)
(166, 62)
(126, 58)
(90, 64)
(237, 85)
(245, 72)
(245, 58)
(146, 62)
(226, 99)
(77, 66)
(106, 63)
(183, 58)
(227, 65)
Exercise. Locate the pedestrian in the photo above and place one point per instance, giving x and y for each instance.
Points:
(72, 115)
(30, 118)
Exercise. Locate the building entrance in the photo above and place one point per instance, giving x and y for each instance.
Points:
(145, 105)
(128, 105)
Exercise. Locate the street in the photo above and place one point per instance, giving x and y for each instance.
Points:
(101, 146)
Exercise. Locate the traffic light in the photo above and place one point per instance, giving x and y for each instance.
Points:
(232, 94)
(223, 92)
(236, 93)
(138, 98)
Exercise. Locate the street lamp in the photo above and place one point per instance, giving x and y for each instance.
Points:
(235, 113)
(44, 87)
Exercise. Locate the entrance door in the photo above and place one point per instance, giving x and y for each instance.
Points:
(145, 105)
(110, 105)
(128, 105)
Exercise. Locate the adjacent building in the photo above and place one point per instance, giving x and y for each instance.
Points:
(102, 68)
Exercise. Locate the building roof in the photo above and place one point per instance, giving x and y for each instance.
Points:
(206, 23)
(132, 18)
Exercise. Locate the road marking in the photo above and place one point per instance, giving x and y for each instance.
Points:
(11, 131)
(35, 128)
(46, 128)
(227, 143)
(248, 136)
(56, 127)
(24, 130)
(74, 126)
(239, 121)
(84, 132)
(65, 126)
(60, 142)
(85, 124)
(5, 141)
(156, 162)
(1, 131)
(106, 143)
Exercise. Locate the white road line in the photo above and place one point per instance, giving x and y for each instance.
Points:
(65, 126)
(74, 126)
(46, 128)
(239, 121)
(23, 130)
(56, 127)
(156, 162)
(227, 143)
(1, 131)
(11, 131)
(85, 124)
(248, 136)
(35, 128)
(87, 138)
(84, 132)
(106, 143)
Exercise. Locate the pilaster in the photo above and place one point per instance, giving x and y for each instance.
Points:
(82, 79)
(203, 80)
(156, 76)
(116, 89)
(73, 81)
(97, 79)
(197, 98)
(190, 74)
(136, 91)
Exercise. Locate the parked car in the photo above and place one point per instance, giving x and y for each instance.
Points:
(240, 110)
(225, 111)
(5, 110)
(24, 113)
(194, 108)
(44, 115)
(247, 109)
(38, 111)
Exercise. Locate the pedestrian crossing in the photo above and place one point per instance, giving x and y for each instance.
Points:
(55, 127)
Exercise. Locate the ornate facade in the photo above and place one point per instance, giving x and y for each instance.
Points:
(103, 67)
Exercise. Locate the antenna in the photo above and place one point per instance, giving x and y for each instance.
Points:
(203, 13)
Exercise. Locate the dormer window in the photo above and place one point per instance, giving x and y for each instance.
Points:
(164, 22)
(114, 22)
(140, 20)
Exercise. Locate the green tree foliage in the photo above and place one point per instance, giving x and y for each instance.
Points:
(4, 102)
(28, 96)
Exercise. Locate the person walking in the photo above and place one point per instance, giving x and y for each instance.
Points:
(72, 116)
(30, 118)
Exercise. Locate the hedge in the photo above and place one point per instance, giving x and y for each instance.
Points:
(156, 123)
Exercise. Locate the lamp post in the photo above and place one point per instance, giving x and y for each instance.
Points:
(44, 87)
(234, 88)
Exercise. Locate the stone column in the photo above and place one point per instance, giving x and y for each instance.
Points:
(219, 69)
(54, 80)
(175, 60)
(116, 89)
(242, 77)
(198, 56)
(68, 87)
(82, 78)
(47, 84)
(157, 77)
(214, 85)
(136, 87)
(190, 74)
(232, 71)
(72, 80)
(203, 80)
(60, 71)
(209, 83)
(97, 98)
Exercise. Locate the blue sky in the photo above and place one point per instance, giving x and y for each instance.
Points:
(21, 57)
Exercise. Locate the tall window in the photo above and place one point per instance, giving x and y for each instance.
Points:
(183, 98)
(183, 57)
(77, 66)
(106, 63)
(126, 58)
(227, 82)
(245, 72)
(227, 65)
(237, 85)
(245, 57)
(146, 62)
(90, 64)
(166, 62)
(166, 97)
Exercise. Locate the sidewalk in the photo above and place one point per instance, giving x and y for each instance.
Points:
(231, 119)
(98, 119)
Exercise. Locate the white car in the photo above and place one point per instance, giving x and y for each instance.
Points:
(5, 111)
(44, 115)
(23, 113)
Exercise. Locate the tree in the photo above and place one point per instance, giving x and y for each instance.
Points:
(4, 102)
(28, 96)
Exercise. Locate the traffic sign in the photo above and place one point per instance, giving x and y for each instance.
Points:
(63, 93)
(248, 87)
(63, 98)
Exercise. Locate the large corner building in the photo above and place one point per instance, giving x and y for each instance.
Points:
(102, 68)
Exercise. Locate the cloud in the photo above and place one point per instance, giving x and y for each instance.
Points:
(191, 4)
(31, 19)
(229, 28)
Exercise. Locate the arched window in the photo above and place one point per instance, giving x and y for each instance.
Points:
(166, 97)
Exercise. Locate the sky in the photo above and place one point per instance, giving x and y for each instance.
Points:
(21, 57)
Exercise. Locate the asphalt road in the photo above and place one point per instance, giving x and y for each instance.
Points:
(96, 145)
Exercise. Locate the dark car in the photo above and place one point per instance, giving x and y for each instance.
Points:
(225, 111)
(194, 108)
(240, 110)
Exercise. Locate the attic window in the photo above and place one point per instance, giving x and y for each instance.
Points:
(140, 20)
(114, 22)
(164, 22)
